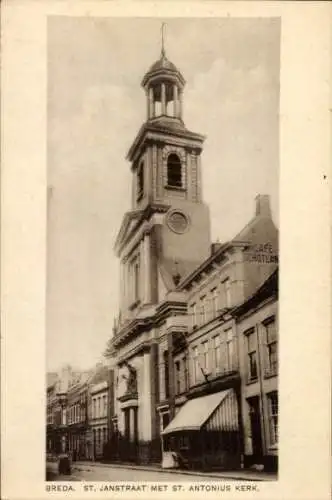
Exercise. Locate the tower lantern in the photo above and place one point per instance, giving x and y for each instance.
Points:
(163, 84)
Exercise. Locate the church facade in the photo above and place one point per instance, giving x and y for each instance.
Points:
(175, 339)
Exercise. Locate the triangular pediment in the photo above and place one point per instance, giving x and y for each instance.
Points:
(129, 222)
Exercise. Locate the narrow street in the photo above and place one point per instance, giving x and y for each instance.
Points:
(100, 473)
(109, 473)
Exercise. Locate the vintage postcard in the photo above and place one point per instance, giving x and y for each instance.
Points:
(165, 193)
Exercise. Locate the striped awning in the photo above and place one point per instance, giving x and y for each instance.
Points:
(216, 411)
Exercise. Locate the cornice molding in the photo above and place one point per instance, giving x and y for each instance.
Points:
(163, 134)
(136, 326)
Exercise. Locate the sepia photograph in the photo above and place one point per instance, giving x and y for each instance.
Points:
(162, 249)
(165, 249)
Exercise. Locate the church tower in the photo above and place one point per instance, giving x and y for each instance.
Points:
(163, 237)
(166, 234)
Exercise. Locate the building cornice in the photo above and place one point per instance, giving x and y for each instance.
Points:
(134, 327)
(99, 387)
(179, 136)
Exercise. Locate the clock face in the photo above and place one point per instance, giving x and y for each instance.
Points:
(178, 221)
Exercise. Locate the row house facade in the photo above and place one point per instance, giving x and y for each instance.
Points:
(100, 411)
(79, 410)
(77, 416)
(56, 410)
(175, 345)
(257, 327)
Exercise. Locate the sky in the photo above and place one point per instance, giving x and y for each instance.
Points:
(95, 108)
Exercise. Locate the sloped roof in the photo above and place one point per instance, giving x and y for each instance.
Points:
(100, 374)
(269, 288)
(243, 238)
(163, 63)
(162, 66)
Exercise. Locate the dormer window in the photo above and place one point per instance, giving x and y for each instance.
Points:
(174, 171)
(140, 180)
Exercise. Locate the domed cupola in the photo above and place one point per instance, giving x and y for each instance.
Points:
(163, 84)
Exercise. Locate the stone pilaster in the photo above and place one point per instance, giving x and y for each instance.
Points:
(198, 178)
(170, 375)
(131, 424)
(155, 435)
(154, 253)
(142, 272)
(160, 172)
(153, 168)
(180, 104)
(147, 268)
(163, 99)
(149, 174)
(150, 104)
(176, 99)
(122, 286)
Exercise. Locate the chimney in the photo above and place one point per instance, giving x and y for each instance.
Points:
(263, 205)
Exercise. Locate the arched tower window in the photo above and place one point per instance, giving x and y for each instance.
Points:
(174, 171)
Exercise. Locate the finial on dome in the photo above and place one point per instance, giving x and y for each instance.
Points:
(162, 40)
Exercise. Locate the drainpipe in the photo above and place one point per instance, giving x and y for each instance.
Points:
(260, 374)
